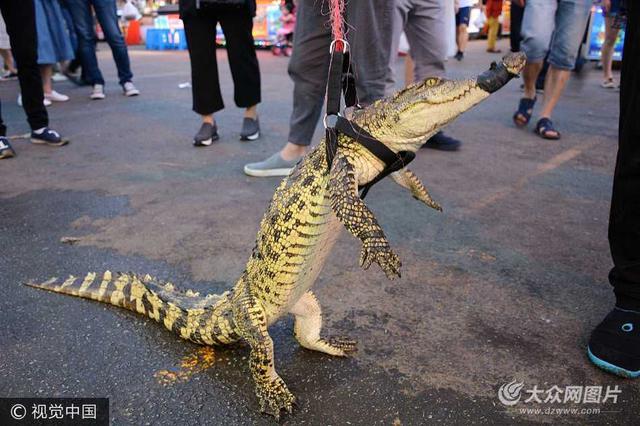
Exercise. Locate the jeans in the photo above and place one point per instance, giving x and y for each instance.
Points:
(83, 23)
(555, 27)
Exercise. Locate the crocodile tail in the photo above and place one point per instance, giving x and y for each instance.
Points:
(182, 313)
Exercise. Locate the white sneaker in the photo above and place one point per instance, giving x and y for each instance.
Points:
(56, 97)
(130, 89)
(45, 101)
(98, 92)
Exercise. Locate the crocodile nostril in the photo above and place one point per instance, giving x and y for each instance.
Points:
(627, 327)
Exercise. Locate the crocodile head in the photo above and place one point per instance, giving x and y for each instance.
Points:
(406, 119)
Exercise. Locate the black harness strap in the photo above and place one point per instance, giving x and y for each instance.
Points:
(341, 82)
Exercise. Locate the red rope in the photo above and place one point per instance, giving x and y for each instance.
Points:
(337, 22)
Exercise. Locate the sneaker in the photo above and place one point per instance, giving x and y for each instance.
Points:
(45, 101)
(58, 77)
(442, 142)
(272, 166)
(98, 92)
(608, 84)
(5, 148)
(56, 97)
(250, 129)
(615, 343)
(459, 55)
(10, 75)
(48, 137)
(207, 134)
(130, 89)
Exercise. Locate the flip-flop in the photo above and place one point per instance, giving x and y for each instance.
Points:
(545, 129)
(523, 114)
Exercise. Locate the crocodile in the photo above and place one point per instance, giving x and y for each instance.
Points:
(296, 235)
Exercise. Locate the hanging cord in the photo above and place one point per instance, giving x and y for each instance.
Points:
(341, 83)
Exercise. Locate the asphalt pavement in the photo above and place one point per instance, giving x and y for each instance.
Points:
(505, 285)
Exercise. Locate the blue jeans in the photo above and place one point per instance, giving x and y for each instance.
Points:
(83, 23)
(556, 27)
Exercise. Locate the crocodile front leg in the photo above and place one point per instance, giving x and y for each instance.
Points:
(251, 323)
(407, 179)
(307, 328)
(358, 219)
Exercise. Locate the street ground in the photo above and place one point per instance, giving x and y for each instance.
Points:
(506, 284)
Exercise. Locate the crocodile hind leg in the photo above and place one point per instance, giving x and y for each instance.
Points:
(308, 322)
(407, 179)
(251, 324)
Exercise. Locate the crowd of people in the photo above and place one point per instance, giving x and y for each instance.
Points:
(43, 33)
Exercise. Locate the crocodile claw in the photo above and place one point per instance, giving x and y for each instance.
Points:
(383, 256)
(274, 397)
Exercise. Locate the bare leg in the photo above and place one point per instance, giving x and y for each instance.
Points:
(251, 112)
(610, 36)
(553, 87)
(462, 37)
(208, 119)
(46, 71)
(308, 325)
(291, 151)
(7, 57)
(530, 75)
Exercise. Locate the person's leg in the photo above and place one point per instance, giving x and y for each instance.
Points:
(492, 36)
(308, 69)
(19, 17)
(515, 36)
(537, 28)
(46, 71)
(371, 45)
(610, 36)
(425, 31)
(571, 20)
(245, 70)
(399, 19)
(106, 13)
(200, 33)
(615, 343)
(83, 23)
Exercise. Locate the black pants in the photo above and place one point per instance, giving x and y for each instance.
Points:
(516, 24)
(20, 18)
(624, 222)
(200, 30)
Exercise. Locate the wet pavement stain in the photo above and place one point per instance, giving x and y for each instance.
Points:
(195, 363)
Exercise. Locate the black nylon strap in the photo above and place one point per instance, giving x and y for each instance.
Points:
(363, 137)
(334, 83)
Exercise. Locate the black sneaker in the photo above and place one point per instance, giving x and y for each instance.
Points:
(5, 148)
(48, 137)
(615, 343)
(207, 134)
(459, 55)
(442, 142)
(250, 129)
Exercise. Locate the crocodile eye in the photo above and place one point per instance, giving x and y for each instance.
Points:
(432, 82)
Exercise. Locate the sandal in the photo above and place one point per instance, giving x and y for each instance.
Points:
(545, 129)
(523, 114)
(608, 84)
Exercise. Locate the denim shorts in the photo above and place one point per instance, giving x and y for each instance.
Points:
(463, 16)
(554, 27)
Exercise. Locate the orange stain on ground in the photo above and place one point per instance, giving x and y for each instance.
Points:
(191, 364)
